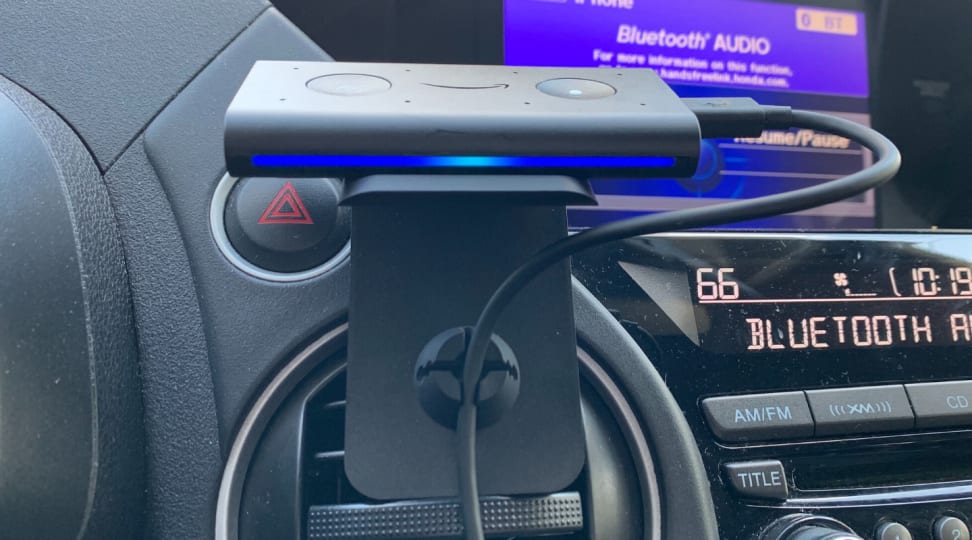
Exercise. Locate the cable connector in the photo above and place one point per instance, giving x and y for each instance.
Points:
(737, 117)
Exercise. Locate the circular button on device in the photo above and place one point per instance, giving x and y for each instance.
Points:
(349, 84)
(286, 226)
(576, 89)
(951, 528)
(893, 531)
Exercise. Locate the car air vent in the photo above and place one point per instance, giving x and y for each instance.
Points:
(295, 485)
(336, 510)
(324, 481)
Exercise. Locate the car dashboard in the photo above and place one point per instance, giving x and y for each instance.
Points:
(181, 357)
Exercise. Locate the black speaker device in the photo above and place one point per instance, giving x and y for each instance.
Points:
(457, 175)
(354, 120)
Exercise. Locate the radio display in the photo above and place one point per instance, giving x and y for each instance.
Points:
(751, 294)
(910, 302)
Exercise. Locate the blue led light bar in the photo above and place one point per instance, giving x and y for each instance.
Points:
(480, 162)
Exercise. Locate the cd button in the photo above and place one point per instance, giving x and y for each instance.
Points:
(861, 410)
(759, 417)
(941, 404)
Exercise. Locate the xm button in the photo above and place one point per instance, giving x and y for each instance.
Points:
(861, 410)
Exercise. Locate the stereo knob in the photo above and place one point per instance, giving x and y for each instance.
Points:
(821, 533)
(808, 527)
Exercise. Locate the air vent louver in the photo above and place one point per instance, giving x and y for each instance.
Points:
(327, 489)
(295, 486)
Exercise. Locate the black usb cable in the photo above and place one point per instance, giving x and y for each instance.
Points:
(718, 118)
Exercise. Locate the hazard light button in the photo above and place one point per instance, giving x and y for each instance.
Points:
(287, 225)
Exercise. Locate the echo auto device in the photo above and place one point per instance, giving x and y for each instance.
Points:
(352, 120)
(456, 175)
(463, 371)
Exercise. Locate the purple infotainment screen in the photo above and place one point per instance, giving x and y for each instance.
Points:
(805, 56)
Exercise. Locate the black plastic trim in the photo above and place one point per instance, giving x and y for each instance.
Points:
(688, 510)
(72, 410)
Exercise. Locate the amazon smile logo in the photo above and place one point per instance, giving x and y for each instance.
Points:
(476, 87)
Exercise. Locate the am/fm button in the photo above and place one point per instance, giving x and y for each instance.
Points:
(759, 417)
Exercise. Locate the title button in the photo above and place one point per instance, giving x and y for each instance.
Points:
(760, 479)
(941, 404)
(861, 410)
(759, 417)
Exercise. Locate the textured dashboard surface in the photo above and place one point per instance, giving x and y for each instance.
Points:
(108, 66)
(69, 395)
(251, 324)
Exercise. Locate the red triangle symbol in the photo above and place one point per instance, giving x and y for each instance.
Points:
(286, 208)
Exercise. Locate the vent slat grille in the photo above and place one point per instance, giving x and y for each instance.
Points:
(333, 455)
(335, 405)
(502, 517)
(324, 480)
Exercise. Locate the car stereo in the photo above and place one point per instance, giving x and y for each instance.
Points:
(826, 373)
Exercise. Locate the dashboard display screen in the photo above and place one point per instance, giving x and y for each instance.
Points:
(839, 304)
(805, 56)
(752, 295)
